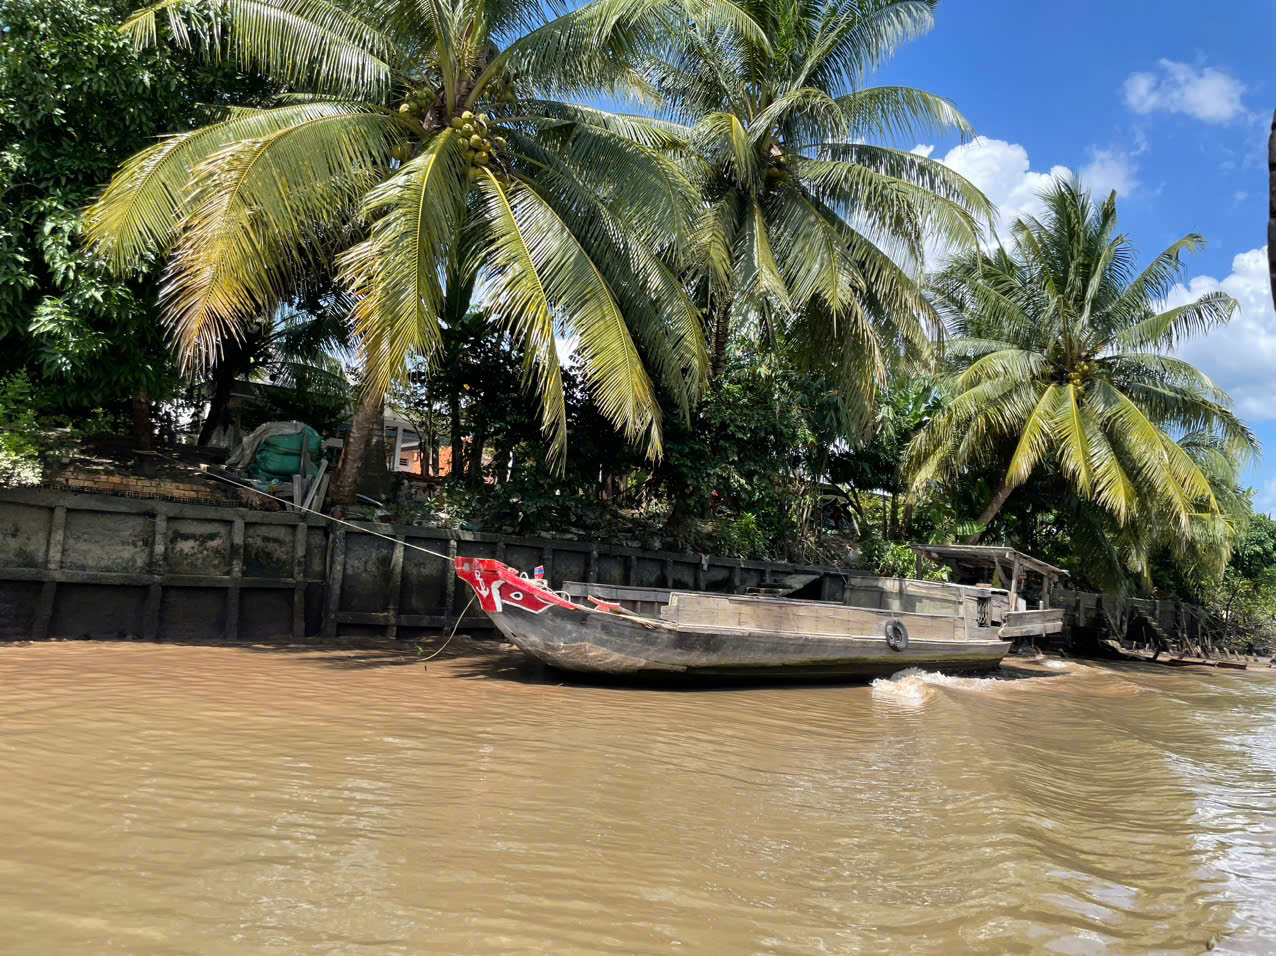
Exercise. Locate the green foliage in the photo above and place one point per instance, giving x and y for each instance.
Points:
(75, 99)
(743, 537)
(25, 437)
(810, 205)
(1060, 372)
(743, 454)
(899, 561)
(20, 433)
(416, 149)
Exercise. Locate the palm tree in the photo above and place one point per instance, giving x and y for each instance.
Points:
(806, 221)
(425, 141)
(1060, 357)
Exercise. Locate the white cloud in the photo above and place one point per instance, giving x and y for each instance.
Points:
(1107, 170)
(1240, 356)
(1003, 173)
(1265, 500)
(1205, 93)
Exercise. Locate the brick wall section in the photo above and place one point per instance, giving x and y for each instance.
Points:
(136, 487)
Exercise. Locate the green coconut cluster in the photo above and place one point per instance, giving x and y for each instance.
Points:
(414, 106)
(479, 145)
(1081, 372)
(503, 88)
(776, 164)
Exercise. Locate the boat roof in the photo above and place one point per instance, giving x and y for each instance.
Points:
(985, 556)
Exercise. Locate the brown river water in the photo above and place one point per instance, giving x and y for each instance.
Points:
(162, 799)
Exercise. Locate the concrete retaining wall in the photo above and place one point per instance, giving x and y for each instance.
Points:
(75, 565)
(84, 565)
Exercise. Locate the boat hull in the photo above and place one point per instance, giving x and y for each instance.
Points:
(601, 643)
(782, 639)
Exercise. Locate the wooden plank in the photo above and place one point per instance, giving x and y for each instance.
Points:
(336, 571)
(320, 480)
(615, 592)
(803, 617)
(52, 562)
(1032, 623)
(322, 493)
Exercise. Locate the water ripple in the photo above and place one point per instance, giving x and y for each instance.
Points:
(168, 799)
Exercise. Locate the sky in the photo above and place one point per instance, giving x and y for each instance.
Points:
(1168, 103)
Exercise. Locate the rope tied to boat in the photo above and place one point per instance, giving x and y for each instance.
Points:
(290, 504)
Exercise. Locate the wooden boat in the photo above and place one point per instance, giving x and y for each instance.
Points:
(729, 635)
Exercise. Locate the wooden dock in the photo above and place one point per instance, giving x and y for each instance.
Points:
(1184, 659)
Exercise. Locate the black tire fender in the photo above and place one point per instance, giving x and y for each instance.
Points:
(896, 634)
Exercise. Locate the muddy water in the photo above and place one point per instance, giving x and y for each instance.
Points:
(166, 799)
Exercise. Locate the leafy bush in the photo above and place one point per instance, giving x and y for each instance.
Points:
(22, 438)
(899, 561)
(744, 537)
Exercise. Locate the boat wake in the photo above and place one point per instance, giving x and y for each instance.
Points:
(916, 686)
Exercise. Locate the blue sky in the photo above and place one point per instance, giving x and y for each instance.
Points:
(1169, 103)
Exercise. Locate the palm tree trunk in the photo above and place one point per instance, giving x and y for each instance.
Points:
(474, 468)
(990, 512)
(345, 482)
(219, 405)
(457, 466)
(143, 429)
(721, 335)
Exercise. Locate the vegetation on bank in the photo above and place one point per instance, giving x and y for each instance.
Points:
(700, 318)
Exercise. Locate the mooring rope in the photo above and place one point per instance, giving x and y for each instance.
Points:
(453, 634)
(290, 504)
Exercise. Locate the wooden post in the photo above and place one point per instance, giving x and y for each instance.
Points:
(592, 574)
(155, 592)
(299, 580)
(236, 572)
(336, 570)
(449, 578)
(52, 562)
(1014, 585)
(396, 586)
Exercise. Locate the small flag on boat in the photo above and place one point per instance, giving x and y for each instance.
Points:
(538, 572)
